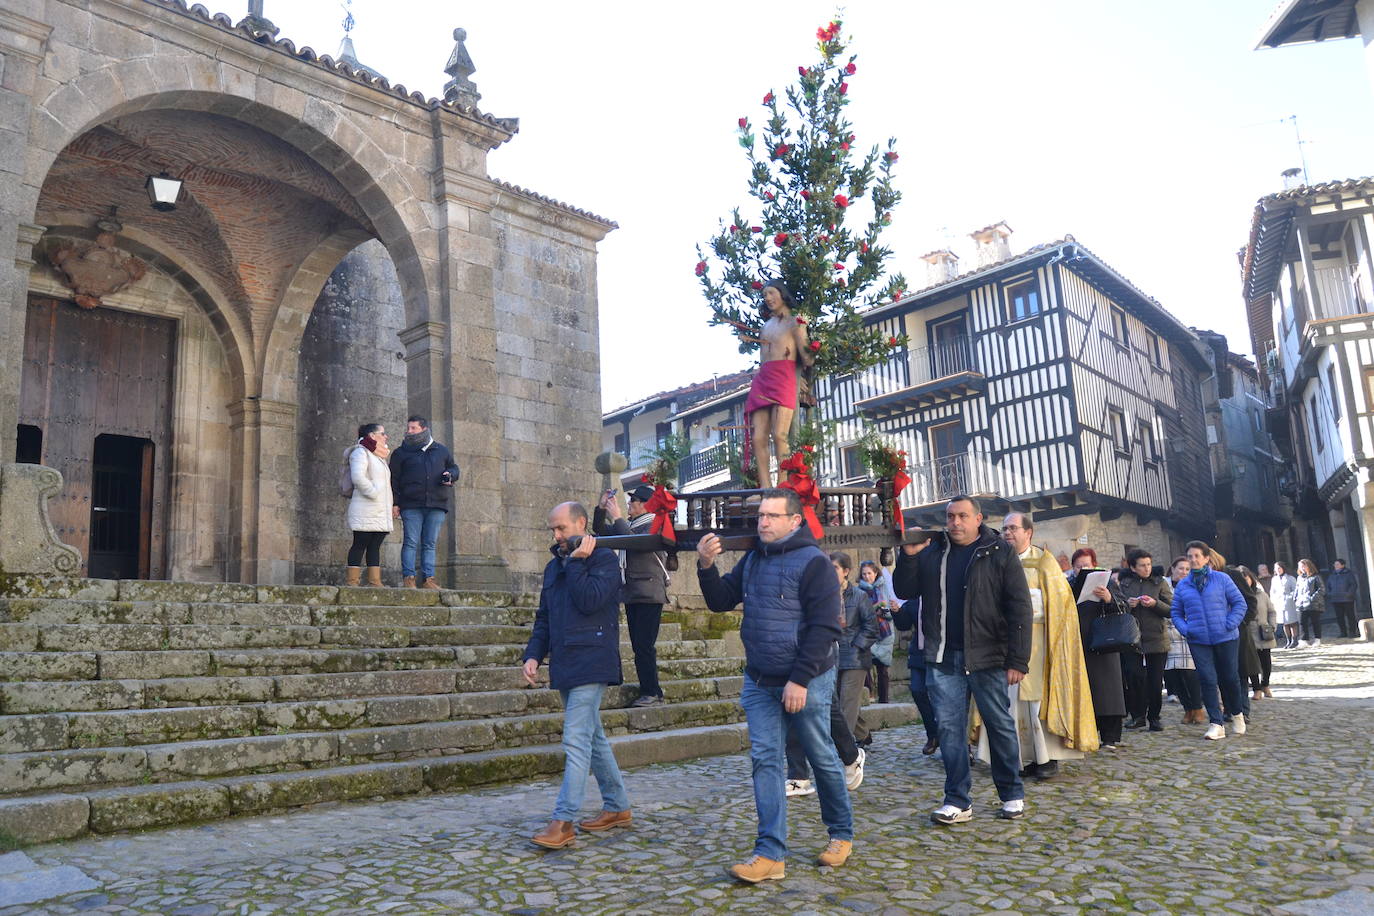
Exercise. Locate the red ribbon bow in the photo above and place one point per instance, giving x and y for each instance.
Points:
(800, 481)
(664, 507)
(900, 481)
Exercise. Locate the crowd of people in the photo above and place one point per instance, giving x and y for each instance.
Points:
(1014, 660)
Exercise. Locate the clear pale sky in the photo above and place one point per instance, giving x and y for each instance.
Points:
(1147, 130)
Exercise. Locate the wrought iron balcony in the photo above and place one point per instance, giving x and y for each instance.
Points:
(711, 460)
(967, 474)
(918, 377)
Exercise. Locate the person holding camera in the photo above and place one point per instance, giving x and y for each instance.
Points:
(646, 586)
(423, 473)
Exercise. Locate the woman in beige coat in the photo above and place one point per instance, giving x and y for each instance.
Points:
(369, 508)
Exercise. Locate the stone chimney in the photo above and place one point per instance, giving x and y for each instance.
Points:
(942, 265)
(992, 243)
(1292, 178)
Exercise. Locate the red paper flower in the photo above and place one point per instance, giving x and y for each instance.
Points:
(806, 195)
(890, 156)
(844, 88)
(743, 123)
(901, 451)
(734, 228)
(780, 239)
(825, 239)
(851, 68)
(782, 150)
(801, 320)
(755, 228)
(701, 268)
(898, 294)
(768, 194)
(839, 265)
(841, 201)
(756, 285)
(892, 341)
(863, 247)
(801, 71)
(815, 346)
(644, 478)
(768, 99)
(844, 146)
(808, 448)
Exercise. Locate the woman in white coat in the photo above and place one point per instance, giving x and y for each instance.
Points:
(369, 508)
(1283, 594)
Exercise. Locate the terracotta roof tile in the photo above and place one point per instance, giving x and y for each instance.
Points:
(535, 195)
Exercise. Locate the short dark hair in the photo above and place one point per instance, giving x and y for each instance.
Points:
(787, 298)
(416, 418)
(1200, 545)
(577, 511)
(961, 498)
(794, 506)
(1026, 521)
(368, 429)
(1178, 560)
(842, 560)
(1341, 560)
(1137, 554)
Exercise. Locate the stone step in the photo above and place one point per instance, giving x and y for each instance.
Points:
(249, 753)
(63, 815)
(80, 611)
(28, 637)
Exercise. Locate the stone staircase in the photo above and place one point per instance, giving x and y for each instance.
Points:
(137, 704)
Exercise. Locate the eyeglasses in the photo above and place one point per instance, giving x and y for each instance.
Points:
(1014, 528)
(776, 515)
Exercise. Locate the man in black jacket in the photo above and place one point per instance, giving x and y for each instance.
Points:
(976, 618)
(422, 477)
(646, 587)
(791, 624)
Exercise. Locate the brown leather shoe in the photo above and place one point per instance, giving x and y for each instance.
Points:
(555, 836)
(758, 869)
(408, 582)
(836, 853)
(606, 820)
(1268, 694)
(431, 582)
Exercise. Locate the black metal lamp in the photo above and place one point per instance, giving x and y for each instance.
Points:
(163, 191)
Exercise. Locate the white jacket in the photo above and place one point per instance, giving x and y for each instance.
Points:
(369, 509)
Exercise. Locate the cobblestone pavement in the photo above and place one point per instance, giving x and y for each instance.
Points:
(1278, 821)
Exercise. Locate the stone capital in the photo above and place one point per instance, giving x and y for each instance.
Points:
(452, 185)
(23, 37)
(29, 236)
(255, 413)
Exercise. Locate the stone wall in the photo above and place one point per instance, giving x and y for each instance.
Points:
(350, 373)
(1110, 540)
(549, 399)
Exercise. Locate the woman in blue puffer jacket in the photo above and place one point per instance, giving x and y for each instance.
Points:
(1207, 611)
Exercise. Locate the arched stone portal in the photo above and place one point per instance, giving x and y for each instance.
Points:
(289, 163)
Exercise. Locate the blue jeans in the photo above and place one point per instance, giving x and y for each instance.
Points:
(585, 748)
(950, 685)
(920, 693)
(421, 528)
(1217, 667)
(768, 729)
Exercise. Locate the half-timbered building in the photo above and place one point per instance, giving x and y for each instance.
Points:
(1042, 381)
(1307, 273)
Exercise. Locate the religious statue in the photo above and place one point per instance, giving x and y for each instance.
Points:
(773, 393)
(94, 271)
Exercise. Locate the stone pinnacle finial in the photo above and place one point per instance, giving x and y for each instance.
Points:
(460, 90)
(256, 22)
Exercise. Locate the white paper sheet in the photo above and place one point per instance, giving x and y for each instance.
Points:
(1096, 579)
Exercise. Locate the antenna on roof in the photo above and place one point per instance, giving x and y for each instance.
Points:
(1302, 156)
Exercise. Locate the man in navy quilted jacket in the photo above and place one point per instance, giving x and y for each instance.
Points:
(790, 628)
(578, 628)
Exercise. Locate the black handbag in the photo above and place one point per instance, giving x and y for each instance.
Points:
(1266, 632)
(1113, 631)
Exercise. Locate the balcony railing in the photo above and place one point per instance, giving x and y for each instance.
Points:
(913, 368)
(713, 459)
(968, 473)
(1338, 293)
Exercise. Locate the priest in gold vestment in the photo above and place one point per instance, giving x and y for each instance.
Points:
(1052, 705)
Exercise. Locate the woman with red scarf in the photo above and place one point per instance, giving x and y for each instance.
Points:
(369, 508)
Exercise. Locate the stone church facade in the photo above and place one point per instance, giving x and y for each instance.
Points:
(339, 254)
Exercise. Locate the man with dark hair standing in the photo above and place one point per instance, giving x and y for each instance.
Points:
(422, 477)
(790, 628)
(578, 628)
(646, 587)
(1341, 591)
(976, 617)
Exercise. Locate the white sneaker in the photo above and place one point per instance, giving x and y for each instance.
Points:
(1302, 644)
(800, 787)
(1215, 732)
(1316, 642)
(854, 772)
(948, 814)
(1238, 724)
(1013, 809)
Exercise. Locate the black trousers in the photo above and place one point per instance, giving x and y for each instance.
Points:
(1143, 690)
(1261, 680)
(1312, 623)
(1345, 619)
(882, 686)
(643, 621)
(1184, 684)
(369, 544)
(798, 768)
(1109, 728)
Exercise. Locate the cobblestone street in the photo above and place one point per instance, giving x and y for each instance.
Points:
(1278, 821)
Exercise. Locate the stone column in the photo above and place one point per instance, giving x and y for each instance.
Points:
(262, 483)
(244, 427)
(22, 46)
(466, 307)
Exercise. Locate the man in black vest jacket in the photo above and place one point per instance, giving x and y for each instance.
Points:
(791, 624)
(422, 477)
(976, 618)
